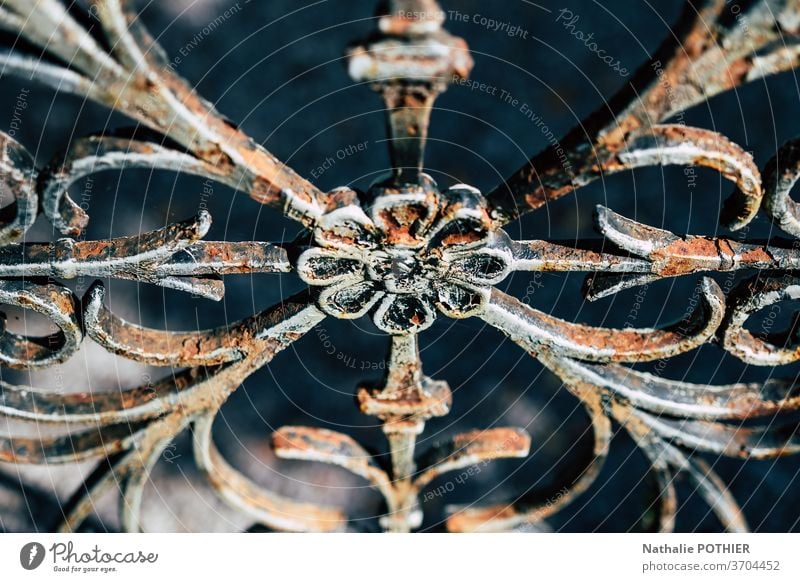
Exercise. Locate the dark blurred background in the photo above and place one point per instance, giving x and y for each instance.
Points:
(276, 68)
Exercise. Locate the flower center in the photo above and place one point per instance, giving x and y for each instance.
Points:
(401, 271)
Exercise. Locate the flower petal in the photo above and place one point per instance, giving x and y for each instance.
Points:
(402, 314)
(464, 221)
(350, 301)
(485, 266)
(347, 227)
(458, 302)
(325, 267)
(405, 214)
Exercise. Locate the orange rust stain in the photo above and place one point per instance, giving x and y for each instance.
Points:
(461, 238)
(264, 191)
(758, 255)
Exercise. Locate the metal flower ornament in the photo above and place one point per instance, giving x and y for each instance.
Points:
(404, 253)
(421, 250)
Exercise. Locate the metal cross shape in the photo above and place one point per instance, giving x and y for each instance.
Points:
(403, 253)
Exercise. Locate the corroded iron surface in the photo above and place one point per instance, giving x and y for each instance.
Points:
(403, 253)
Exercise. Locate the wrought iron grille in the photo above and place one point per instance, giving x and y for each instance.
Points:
(403, 253)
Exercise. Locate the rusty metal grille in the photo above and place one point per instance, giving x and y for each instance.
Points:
(404, 254)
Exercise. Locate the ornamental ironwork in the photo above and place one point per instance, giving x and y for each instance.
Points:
(403, 253)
